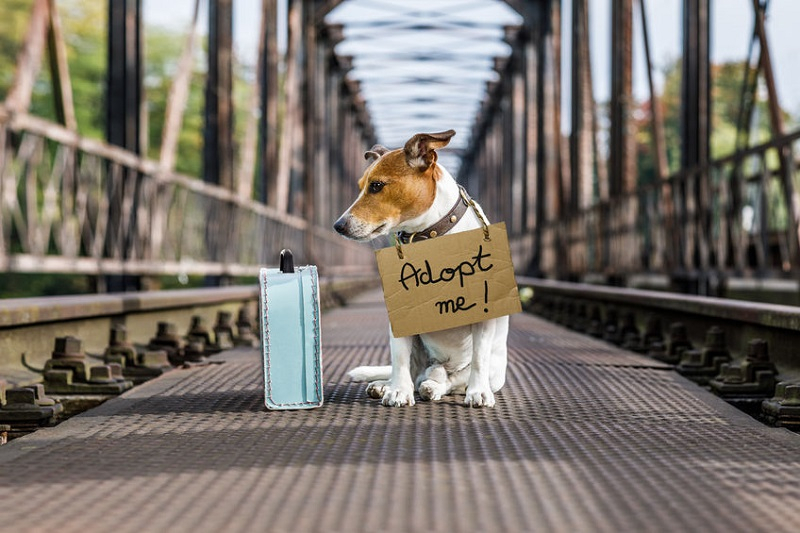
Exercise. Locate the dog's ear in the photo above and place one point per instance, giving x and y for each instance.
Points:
(375, 152)
(421, 148)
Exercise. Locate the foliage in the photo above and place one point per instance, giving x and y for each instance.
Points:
(13, 26)
(83, 26)
(163, 48)
(726, 87)
(18, 285)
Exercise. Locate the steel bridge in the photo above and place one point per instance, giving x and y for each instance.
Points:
(620, 368)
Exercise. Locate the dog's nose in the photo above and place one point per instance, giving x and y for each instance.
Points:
(340, 225)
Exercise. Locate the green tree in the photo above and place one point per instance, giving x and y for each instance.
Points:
(163, 50)
(726, 87)
(85, 32)
(13, 26)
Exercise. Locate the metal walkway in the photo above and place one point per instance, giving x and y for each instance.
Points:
(584, 437)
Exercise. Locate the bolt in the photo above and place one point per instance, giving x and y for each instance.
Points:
(101, 374)
(715, 339)
(678, 339)
(783, 410)
(595, 323)
(243, 318)
(631, 340)
(118, 336)
(30, 395)
(194, 351)
(693, 358)
(166, 330)
(154, 358)
(702, 365)
(199, 330)
(223, 330)
(611, 331)
(68, 348)
(244, 327)
(652, 332)
(167, 339)
(789, 393)
(21, 396)
(758, 351)
(224, 318)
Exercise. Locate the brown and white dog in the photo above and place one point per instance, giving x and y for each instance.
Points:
(407, 191)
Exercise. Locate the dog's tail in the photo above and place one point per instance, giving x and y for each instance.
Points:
(370, 373)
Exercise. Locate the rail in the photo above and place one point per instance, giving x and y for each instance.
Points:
(652, 320)
(29, 327)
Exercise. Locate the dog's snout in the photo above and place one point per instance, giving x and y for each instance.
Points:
(340, 225)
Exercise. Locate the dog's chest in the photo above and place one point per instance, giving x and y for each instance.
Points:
(452, 347)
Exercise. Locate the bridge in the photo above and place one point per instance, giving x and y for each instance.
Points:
(653, 378)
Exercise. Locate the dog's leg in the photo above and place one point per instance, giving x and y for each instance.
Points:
(479, 391)
(499, 357)
(400, 389)
(434, 383)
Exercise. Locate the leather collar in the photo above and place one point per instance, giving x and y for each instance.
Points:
(441, 227)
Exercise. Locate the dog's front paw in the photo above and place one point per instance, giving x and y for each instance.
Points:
(477, 397)
(376, 389)
(398, 396)
(431, 390)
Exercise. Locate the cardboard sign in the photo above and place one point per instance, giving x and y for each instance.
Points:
(448, 281)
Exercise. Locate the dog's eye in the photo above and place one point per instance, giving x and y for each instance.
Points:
(376, 186)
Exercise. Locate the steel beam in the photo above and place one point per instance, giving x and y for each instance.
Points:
(125, 70)
(268, 122)
(580, 140)
(622, 178)
(218, 134)
(695, 84)
(124, 126)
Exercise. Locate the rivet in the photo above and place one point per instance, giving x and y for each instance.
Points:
(433, 234)
(453, 219)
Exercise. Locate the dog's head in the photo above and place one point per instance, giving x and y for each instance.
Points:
(398, 185)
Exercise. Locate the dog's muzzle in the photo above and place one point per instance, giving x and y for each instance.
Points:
(356, 229)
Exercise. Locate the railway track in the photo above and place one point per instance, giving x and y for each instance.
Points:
(63, 355)
(747, 353)
(744, 352)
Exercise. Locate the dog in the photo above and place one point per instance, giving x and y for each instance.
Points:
(405, 191)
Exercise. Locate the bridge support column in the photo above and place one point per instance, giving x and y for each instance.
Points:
(124, 127)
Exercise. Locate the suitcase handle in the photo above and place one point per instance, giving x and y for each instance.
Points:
(287, 261)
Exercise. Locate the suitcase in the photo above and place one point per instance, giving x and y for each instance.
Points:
(290, 327)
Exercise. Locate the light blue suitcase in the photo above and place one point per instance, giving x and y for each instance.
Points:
(290, 327)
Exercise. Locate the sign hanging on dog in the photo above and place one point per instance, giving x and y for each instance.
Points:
(449, 281)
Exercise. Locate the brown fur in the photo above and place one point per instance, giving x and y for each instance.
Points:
(408, 193)
(409, 177)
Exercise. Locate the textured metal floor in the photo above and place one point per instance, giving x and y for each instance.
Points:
(584, 437)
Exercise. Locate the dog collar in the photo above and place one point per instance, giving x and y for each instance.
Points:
(444, 224)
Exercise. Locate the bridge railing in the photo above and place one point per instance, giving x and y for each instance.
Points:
(740, 215)
(72, 204)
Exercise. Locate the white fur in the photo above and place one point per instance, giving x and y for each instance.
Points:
(370, 373)
(468, 359)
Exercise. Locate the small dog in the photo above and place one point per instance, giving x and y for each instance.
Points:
(408, 192)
